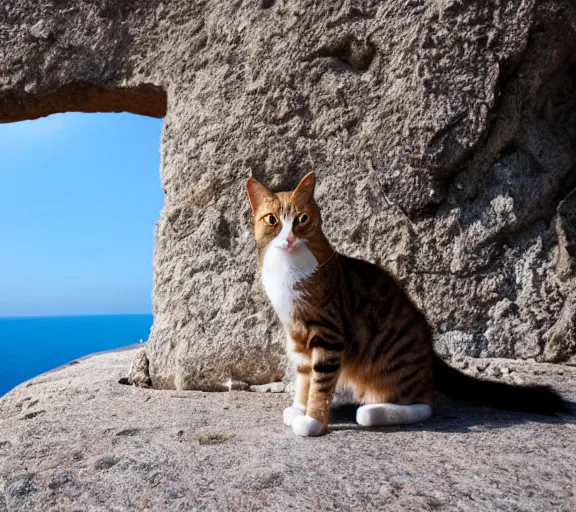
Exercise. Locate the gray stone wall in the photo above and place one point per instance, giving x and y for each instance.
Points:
(443, 134)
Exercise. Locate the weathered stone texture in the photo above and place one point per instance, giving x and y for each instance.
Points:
(75, 439)
(443, 133)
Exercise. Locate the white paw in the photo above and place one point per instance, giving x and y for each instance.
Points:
(291, 413)
(377, 415)
(306, 426)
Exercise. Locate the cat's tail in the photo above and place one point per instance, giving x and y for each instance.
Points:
(459, 386)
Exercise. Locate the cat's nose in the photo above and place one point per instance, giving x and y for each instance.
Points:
(290, 239)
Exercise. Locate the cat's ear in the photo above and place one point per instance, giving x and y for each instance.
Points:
(257, 193)
(305, 190)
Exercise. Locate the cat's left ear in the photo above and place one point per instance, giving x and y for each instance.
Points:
(257, 193)
(305, 190)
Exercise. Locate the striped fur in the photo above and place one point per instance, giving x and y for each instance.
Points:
(348, 321)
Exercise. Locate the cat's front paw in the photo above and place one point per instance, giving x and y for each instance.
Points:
(291, 413)
(306, 426)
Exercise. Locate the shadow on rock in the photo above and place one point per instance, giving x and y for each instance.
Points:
(453, 416)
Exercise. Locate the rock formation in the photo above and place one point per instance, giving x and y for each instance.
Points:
(74, 439)
(443, 134)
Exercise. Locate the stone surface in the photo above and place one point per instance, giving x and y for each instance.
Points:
(442, 133)
(95, 444)
(271, 387)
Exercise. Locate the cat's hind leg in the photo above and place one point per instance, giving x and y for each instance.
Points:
(400, 391)
(378, 415)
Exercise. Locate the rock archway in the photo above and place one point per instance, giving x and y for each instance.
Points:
(145, 99)
(442, 133)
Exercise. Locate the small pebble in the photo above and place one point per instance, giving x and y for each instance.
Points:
(61, 478)
(105, 462)
(21, 487)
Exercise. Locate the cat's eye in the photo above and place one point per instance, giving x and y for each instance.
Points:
(303, 218)
(270, 219)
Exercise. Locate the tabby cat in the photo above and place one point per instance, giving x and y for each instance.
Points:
(347, 321)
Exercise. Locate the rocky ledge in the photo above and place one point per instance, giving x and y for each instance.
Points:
(76, 439)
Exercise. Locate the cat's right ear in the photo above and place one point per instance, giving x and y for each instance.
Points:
(257, 193)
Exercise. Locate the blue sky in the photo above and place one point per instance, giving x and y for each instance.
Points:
(79, 197)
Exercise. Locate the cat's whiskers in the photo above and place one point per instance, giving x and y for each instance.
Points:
(326, 261)
(319, 266)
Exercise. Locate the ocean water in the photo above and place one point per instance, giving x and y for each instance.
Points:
(32, 345)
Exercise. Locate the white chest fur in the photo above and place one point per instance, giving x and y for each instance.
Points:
(281, 271)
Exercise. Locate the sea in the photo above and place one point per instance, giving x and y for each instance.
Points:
(32, 345)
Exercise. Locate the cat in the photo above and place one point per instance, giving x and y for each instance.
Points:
(347, 321)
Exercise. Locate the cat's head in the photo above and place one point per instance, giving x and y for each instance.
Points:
(286, 220)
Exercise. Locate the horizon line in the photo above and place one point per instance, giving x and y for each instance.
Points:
(13, 317)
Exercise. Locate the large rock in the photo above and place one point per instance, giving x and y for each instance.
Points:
(442, 132)
(75, 439)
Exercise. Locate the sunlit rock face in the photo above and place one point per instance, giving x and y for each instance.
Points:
(443, 134)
